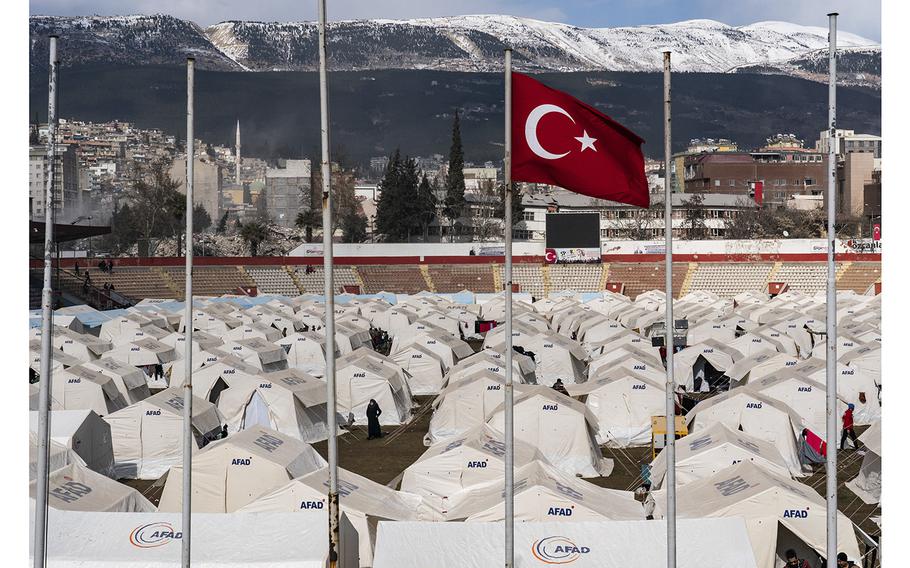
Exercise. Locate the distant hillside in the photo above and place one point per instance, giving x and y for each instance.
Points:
(373, 112)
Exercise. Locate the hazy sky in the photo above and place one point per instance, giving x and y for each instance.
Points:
(859, 17)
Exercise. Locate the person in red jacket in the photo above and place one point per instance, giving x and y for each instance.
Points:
(848, 428)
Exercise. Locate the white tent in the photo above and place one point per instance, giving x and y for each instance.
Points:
(780, 513)
(59, 456)
(451, 466)
(868, 484)
(74, 487)
(81, 388)
(633, 362)
(605, 544)
(560, 427)
(129, 380)
(84, 347)
(263, 355)
(362, 379)
(59, 359)
(146, 540)
(623, 403)
(146, 351)
(710, 351)
(251, 330)
(362, 501)
(83, 432)
(545, 493)
(291, 402)
(449, 349)
(306, 351)
(466, 404)
(806, 397)
(702, 454)
(754, 413)
(619, 354)
(557, 357)
(424, 369)
(760, 364)
(522, 333)
(148, 436)
(523, 367)
(853, 386)
(234, 472)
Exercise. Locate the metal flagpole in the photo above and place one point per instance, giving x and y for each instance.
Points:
(831, 301)
(188, 441)
(47, 330)
(327, 231)
(670, 421)
(507, 230)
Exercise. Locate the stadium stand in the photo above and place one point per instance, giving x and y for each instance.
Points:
(458, 277)
(313, 282)
(528, 276)
(640, 277)
(271, 280)
(858, 276)
(807, 277)
(403, 279)
(210, 280)
(727, 279)
(578, 277)
(135, 282)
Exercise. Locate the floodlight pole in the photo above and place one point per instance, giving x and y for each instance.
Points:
(831, 303)
(670, 421)
(188, 441)
(507, 406)
(327, 230)
(47, 329)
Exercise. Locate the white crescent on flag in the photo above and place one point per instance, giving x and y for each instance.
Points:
(531, 130)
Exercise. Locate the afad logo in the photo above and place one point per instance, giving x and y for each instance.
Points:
(153, 534)
(557, 550)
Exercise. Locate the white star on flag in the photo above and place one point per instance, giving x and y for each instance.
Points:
(586, 141)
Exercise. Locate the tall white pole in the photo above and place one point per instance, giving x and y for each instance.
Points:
(327, 230)
(507, 230)
(668, 338)
(831, 301)
(47, 329)
(237, 152)
(188, 440)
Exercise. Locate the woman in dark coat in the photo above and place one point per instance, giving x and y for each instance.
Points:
(373, 412)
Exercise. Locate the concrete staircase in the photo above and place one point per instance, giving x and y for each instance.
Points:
(687, 281)
(498, 284)
(425, 272)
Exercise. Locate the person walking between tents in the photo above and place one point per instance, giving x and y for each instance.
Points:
(844, 562)
(848, 428)
(793, 561)
(373, 412)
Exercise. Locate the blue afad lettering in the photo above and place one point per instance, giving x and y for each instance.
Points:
(560, 512)
(153, 413)
(240, 461)
(796, 514)
(753, 405)
(551, 407)
(480, 464)
(804, 389)
(638, 387)
(311, 504)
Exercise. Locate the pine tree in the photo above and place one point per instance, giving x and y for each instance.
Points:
(388, 207)
(426, 205)
(454, 202)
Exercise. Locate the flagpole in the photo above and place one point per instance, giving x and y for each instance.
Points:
(334, 545)
(47, 330)
(507, 233)
(188, 441)
(831, 301)
(670, 421)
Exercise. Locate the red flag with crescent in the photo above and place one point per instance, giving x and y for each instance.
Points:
(559, 140)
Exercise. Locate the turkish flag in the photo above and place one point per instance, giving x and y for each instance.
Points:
(559, 140)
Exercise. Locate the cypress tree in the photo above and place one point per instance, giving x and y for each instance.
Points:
(454, 202)
(388, 207)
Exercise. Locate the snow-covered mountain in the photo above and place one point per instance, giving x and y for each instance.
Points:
(461, 43)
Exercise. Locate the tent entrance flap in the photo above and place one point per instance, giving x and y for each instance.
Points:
(256, 412)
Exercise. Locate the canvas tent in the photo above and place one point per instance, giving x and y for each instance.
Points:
(806, 397)
(623, 403)
(703, 454)
(148, 436)
(362, 379)
(780, 513)
(557, 357)
(545, 493)
(362, 501)
(451, 466)
(560, 427)
(234, 472)
(754, 413)
(523, 367)
(129, 380)
(58, 456)
(81, 388)
(854, 386)
(305, 351)
(760, 364)
(423, 367)
(868, 484)
(690, 363)
(83, 432)
(74, 487)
